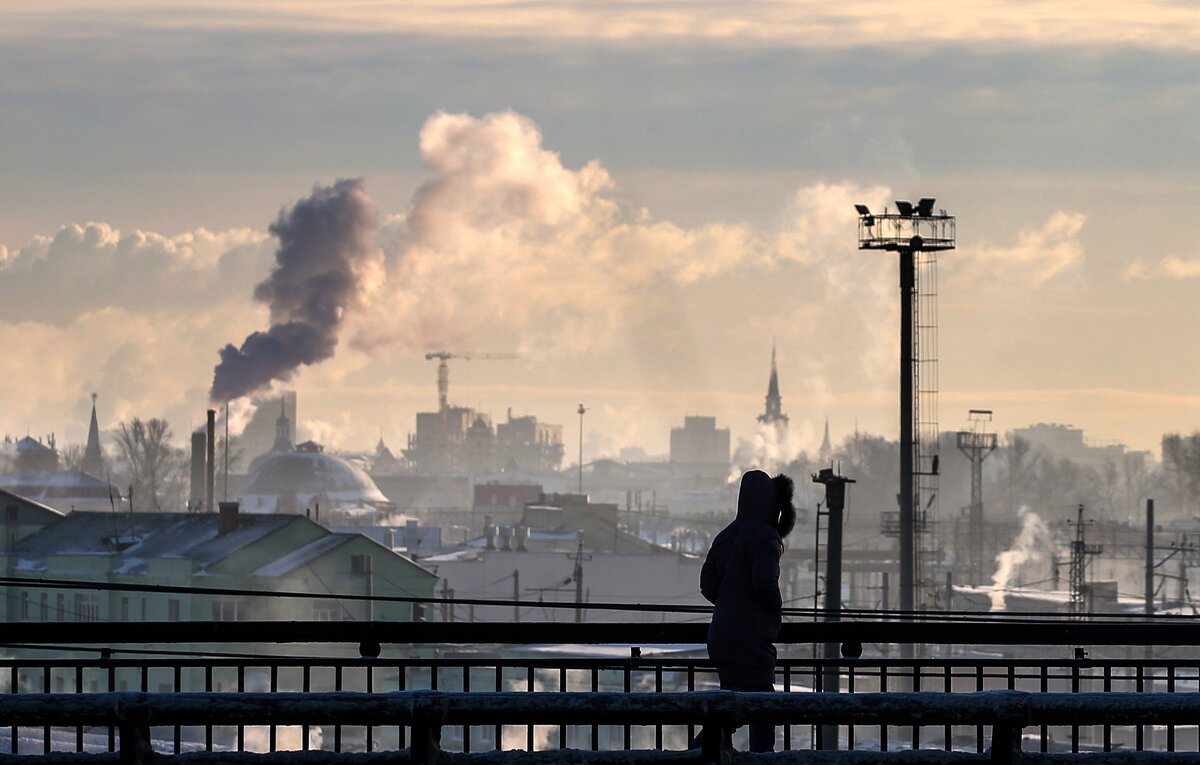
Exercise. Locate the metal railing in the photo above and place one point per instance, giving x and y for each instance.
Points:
(400, 657)
(427, 713)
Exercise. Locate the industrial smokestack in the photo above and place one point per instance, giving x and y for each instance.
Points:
(210, 477)
(199, 462)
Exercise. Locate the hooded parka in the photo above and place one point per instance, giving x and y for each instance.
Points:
(741, 578)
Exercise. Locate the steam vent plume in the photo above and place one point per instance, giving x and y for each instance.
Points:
(326, 255)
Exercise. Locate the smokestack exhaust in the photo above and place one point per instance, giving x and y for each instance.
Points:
(210, 477)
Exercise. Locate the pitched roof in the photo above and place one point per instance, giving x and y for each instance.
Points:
(139, 536)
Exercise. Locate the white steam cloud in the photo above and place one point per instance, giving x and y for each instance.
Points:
(1033, 544)
(502, 230)
(1169, 267)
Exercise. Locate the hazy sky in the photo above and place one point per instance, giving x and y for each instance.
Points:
(636, 196)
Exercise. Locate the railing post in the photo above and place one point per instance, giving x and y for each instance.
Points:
(716, 746)
(135, 745)
(1006, 743)
(426, 745)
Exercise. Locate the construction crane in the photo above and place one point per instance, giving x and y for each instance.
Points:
(443, 372)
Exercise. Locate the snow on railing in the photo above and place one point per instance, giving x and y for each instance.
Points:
(717, 712)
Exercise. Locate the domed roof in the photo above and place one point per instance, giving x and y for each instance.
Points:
(311, 472)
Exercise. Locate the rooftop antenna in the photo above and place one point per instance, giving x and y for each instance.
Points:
(916, 233)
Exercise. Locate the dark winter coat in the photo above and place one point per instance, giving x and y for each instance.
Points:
(741, 578)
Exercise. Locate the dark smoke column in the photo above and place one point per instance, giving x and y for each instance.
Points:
(325, 250)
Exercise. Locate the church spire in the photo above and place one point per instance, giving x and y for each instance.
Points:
(773, 414)
(93, 458)
(825, 454)
(283, 430)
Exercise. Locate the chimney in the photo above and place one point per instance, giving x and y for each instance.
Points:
(506, 533)
(196, 492)
(412, 537)
(389, 539)
(227, 521)
(489, 531)
(210, 477)
(522, 534)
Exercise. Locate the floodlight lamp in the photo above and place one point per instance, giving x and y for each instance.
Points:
(862, 209)
(925, 207)
(905, 208)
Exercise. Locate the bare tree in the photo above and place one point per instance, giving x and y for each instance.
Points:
(154, 465)
(1138, 480)
(71, 457)
(1181, 460)
(1019, 462)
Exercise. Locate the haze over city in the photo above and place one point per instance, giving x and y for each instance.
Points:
(638, 201)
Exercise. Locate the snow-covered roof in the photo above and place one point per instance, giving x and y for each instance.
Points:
(139, 536)
(302, 556)
(58, 484)
(30, 502)
(31, 444)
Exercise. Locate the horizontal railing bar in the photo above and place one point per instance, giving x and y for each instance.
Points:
(635, 633)
(1023, 667)
(1013, 708)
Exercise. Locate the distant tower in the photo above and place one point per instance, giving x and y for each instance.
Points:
(825, 454)
(283, 430)
(977, 444)
(93, 459)
(773, 414)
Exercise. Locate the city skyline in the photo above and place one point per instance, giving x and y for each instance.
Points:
(640, 202)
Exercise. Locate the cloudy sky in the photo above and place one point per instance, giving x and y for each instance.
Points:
(637, 197)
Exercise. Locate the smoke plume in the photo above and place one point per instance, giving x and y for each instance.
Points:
(1032, 544)
(326, 263)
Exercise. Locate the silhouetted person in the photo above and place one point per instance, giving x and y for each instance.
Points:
(741, 578)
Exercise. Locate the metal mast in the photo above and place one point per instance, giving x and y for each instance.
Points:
(443, 370)
(976, 444)
(1080, 552)
(915, 233)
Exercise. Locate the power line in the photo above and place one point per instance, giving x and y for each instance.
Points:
(932, 616)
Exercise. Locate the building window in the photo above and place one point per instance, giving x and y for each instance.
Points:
(327, 611)
(87, 607)
(230, 610)
(61, 606)
(44, 602)
(173, 610)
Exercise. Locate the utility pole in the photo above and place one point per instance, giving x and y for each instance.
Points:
(1080, 551)
(835, 504)
(1149, 588)
(516, 595)
(581, 413)
(578, 576)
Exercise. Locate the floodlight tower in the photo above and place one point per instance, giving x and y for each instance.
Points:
(915, 233)
(977, 444)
